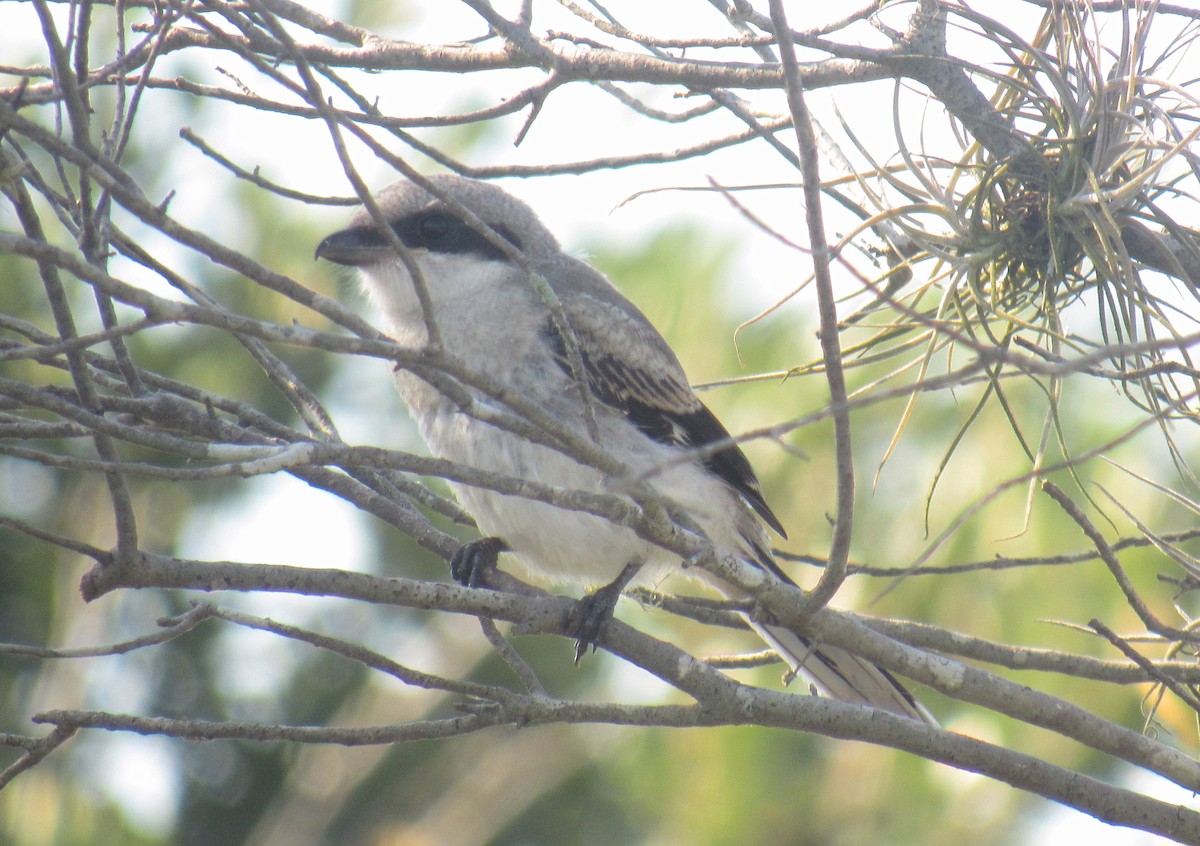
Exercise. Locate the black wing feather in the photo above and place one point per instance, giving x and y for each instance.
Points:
(630, 390)
(701, 428)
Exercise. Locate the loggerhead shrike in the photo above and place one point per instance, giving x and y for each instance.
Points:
(641, 410)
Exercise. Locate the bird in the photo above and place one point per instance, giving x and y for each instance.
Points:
(473, 293)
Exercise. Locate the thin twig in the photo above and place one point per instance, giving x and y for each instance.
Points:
(839, 549)
(1110, 559)
(1186, 694)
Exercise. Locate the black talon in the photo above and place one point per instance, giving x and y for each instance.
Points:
(474, 559)
(588, 618)
(591, 614)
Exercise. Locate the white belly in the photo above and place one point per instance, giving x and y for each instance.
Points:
(559, 544)
(550, 542)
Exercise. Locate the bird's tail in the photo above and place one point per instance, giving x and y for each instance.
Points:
(842, 675)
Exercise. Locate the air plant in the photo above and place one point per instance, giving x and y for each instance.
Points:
(1076, 203)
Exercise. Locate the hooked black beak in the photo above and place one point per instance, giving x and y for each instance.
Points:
(357, 246)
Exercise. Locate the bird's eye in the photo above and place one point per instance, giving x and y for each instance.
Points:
(439, 231)
(434, 228)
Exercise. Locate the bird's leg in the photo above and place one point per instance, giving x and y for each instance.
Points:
(590, 614)
(474, 559)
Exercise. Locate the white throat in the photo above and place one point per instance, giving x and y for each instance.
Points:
(465, 291)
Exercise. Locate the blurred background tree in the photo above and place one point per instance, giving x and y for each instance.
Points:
(1006, 188)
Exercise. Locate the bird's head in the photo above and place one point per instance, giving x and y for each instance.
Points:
(432, 222)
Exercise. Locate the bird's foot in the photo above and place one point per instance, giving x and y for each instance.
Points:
(591, 614)
(474, 559)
